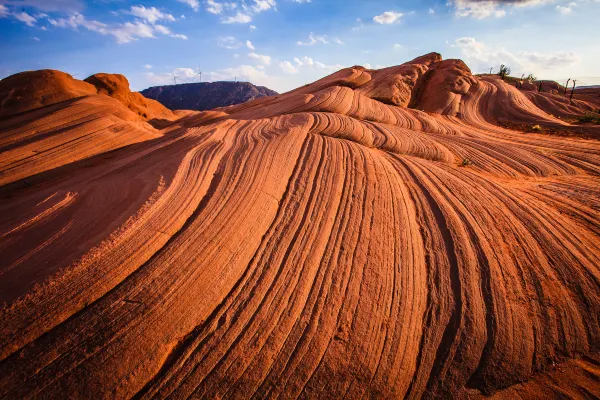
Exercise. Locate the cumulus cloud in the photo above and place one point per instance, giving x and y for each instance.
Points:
(263, 59)
(250, 45)
(566, 9)
(183, 75)
(481, 9)
(315, 39)
(307, 63)
(25, 18)
(3, 11)
(238, 18)
(123, 33)
(248, 73)
(262, 5)
(288, 68)
(388, 17)
(239, 12)
(482, 57)
(166, 31)
(192, 3)
(215, 7)
(151, 14)
(312, 40)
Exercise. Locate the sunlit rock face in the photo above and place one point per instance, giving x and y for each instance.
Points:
(375, 234)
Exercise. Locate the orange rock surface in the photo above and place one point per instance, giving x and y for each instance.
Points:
(50, 119)
(375, 234)
(117, 86)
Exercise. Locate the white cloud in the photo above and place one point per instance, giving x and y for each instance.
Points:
(566, 9)
(130, 31)
(166, 31)
(304, 61)
(330, 68)
(388, 17)
(253, 28)
(238, 18)
(263, 59)
(192, 3)
(3, 11)
(151, 14)
(183, 75)
(179, 36)
(307, 62)
(25, 18)
(242, 73)
(215, 7)
(162, 29)
(37, 39)
(313, 39)
(243, 13)
(250, 45)
(337, 40)
(431, 11)
(481, 9)
(229, 42)
(263, 5)
(148, 66)
(397, 46)
(123, 33)
(288, 68)
(483, 57)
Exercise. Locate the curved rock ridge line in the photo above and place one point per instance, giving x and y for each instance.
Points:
(375, 234)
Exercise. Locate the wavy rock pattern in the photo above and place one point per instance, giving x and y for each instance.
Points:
(322, 243)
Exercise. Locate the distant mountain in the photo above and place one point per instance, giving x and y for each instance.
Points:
(206, 95)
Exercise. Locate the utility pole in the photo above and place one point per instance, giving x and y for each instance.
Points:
(572, 90)
(566, 86)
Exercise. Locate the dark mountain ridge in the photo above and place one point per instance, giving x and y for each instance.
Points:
(206, 95)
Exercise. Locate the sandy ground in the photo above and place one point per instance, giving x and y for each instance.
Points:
(375, 234)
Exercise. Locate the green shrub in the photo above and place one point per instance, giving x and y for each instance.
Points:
(589, 117)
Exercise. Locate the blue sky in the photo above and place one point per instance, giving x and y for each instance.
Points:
(283, 44)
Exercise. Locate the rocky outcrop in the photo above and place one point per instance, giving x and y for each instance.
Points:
(206, 95)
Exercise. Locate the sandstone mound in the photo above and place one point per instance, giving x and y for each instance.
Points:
(48, 119)
(33, 89)
(117, 86)
(375, 234)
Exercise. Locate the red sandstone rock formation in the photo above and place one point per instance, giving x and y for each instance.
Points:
(375, 234)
